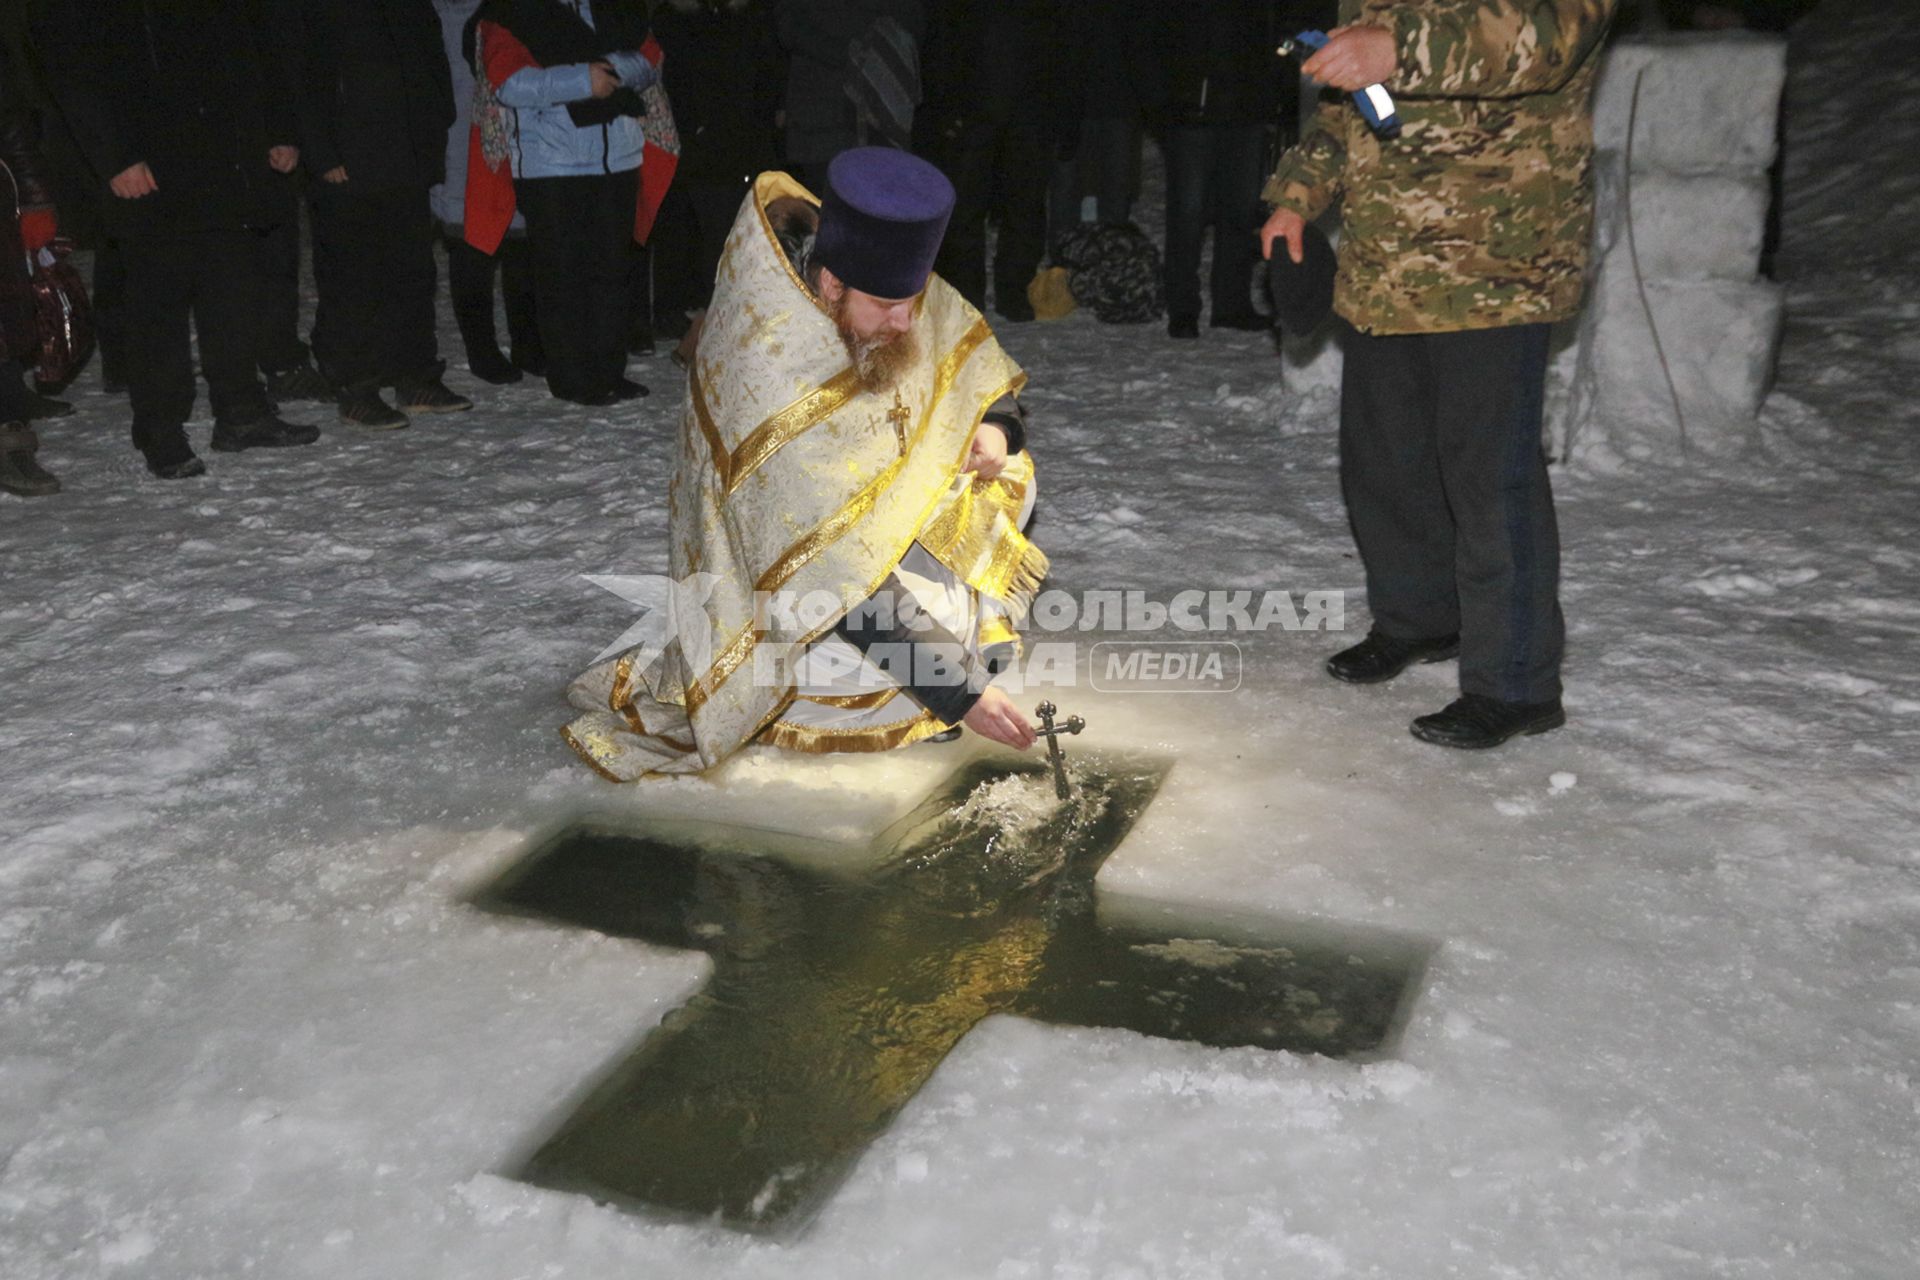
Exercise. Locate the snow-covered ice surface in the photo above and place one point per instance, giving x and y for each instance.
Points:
(262, 731)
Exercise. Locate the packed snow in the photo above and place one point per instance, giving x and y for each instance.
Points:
(263, 731)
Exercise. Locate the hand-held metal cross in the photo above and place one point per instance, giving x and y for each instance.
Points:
(1056, 757)
(900, 416)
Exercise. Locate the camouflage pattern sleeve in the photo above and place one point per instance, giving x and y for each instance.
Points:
(1308, 178)
(1490, 48)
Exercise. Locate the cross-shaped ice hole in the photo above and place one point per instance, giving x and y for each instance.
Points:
(836, 992)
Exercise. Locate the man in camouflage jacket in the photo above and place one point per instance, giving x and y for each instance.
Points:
(1462, 241)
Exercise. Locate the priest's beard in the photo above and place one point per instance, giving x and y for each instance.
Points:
(878, 361)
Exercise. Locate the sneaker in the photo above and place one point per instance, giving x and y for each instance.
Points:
(365, 408)
(429, 395)
(19, 472)
(301, 382)
(1184, 328)
(1474, 722)
(269, 432)
(1381, 657)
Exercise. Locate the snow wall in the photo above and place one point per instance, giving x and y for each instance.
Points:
(1704, 134)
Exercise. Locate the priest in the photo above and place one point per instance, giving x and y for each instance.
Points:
(847, 507)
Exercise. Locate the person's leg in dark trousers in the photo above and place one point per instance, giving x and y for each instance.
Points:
(611, 310)
(373, 265)
(557, 245)
(110, 313)
(157, 282)
(673, 253)
(1188, 153)
(516, 294)
(579, 228)
(967, 160)
(1021, 169)
(212, 278)
(1390, 477)
(470, 286)
(715, 206)
(1234, 199)
(277, 254)
(1489, 392)
(226, 310)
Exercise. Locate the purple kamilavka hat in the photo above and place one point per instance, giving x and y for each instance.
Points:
(882, 218)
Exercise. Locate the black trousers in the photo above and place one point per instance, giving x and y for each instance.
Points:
(210, 279)
(999, 171)
(1213, 180)
(279, 331)
(110, 309)
(688, 240)
(1446, 486)
(579, 229)
(470, 282)
(374, 270)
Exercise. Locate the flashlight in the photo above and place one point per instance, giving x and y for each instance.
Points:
(1375, 103)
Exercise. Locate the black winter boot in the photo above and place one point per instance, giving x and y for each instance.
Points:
(19, 472)
(1381, 657)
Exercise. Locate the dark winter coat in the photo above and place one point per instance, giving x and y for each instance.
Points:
(1216, 62)
(20, 153)
(816, 35)
(998, 62)
(722, 74)
(375, 94)
(190, 89)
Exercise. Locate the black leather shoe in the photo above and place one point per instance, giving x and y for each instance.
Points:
(300, 382)
(488, 365)
(1245, 322)
(429, 395)
(365, 408)
(628, 389)
(1184, 327)
(173, 459)
(1474, 722)
(1381, 657)
(269, 432)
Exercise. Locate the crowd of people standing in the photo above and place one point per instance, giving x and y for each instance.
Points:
(192, 140)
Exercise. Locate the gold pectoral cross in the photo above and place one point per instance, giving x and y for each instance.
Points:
(899, 416)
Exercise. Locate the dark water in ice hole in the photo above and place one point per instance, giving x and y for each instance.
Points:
(836, 992)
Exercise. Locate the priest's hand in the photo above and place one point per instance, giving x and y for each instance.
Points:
(988, 457)
(994, 716)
